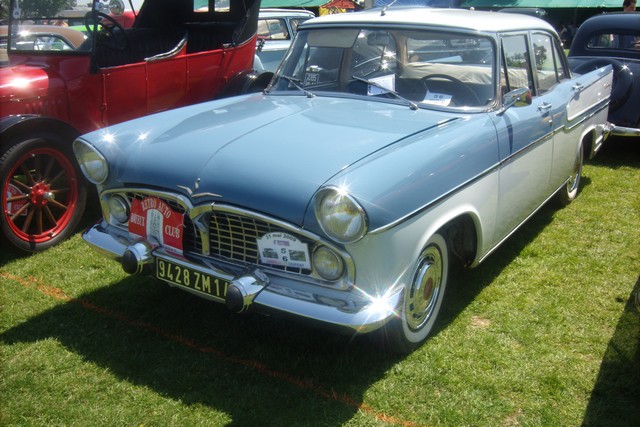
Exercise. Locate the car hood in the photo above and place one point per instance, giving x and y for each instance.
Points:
(269, 153)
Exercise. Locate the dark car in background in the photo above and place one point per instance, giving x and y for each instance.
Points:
(613, 39)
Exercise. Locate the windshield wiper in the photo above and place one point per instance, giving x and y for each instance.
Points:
(411, 104)
(298, 84)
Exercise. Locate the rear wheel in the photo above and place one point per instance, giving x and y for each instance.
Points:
(43, 194)
(569, 191)
(422, 298)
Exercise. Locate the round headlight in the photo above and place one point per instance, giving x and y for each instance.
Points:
(119, 209)
(327, 263)
(91, 161)
(340, 216)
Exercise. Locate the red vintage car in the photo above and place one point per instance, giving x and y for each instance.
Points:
(63, 80)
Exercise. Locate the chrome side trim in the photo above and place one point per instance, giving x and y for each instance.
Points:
(543, 139)
(595, 109)
(436, 201)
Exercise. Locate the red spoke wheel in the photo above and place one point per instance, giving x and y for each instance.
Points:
(43, 194)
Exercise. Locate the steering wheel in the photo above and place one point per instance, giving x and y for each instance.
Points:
(113, 35)
(466, 88)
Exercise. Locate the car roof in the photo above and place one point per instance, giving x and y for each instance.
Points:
(423, 16)
(612, 21)
(276, 13)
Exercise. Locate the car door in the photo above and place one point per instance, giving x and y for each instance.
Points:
(525, 138)
(553, 84)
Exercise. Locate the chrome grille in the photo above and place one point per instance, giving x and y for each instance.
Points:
(234, 237)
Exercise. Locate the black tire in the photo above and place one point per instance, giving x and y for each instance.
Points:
(422, 300)
(622, 79)
(43, 193)
(569, 191)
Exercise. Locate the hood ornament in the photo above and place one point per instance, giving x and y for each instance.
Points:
(196, 187)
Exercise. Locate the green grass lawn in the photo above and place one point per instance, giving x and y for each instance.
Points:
(544, 333)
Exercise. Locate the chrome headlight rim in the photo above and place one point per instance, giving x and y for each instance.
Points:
(337, 195)
(323, 272)
(93, 164)
(119, 208)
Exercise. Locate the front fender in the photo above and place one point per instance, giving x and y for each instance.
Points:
(14, 129)
(26, 89)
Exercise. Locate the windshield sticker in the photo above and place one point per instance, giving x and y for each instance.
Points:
(311, 79)
(387, 82)
(437, 98)
(13, 207)
(154, 220)
(283, 249)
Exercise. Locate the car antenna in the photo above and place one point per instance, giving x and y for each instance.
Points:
(384, 9)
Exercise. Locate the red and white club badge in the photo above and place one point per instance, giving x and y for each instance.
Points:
(153, 219)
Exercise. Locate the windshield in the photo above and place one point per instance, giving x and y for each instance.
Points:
(58, 26)
(419, 67)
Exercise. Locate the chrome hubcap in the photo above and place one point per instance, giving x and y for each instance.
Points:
(425, 289)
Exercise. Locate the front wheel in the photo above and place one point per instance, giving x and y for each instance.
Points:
(43, 194)
(422, 298)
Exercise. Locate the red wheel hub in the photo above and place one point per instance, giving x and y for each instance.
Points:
(41, 194)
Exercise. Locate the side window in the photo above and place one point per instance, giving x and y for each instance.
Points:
(560, 67)
(516, 71)
(618, 40)
(546, 64)
(273, 29)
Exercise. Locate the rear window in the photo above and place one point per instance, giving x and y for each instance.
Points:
(615, 40)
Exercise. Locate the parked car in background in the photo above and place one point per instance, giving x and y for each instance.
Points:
(62, 80)
(613, 39)
(390, 145)
(276, 28)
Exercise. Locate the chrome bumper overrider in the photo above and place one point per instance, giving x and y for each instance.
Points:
(351, 310)
(622, 131)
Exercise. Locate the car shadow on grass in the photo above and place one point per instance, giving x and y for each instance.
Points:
(615, 399)
(258, 370)
(255, 369)
(618, 152)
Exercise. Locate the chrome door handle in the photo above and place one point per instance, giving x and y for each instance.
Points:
(544, 108)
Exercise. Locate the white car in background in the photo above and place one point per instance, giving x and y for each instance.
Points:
(276, 28)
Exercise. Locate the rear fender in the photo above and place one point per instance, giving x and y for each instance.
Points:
(249, 81)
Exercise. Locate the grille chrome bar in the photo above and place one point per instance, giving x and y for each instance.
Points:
(235, 237)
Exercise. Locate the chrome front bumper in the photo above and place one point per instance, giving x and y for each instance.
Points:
(351, 310)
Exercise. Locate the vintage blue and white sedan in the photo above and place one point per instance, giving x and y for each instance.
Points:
(390, 146)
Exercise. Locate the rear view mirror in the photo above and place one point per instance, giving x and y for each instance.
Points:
(379, 39)
(516, 98)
